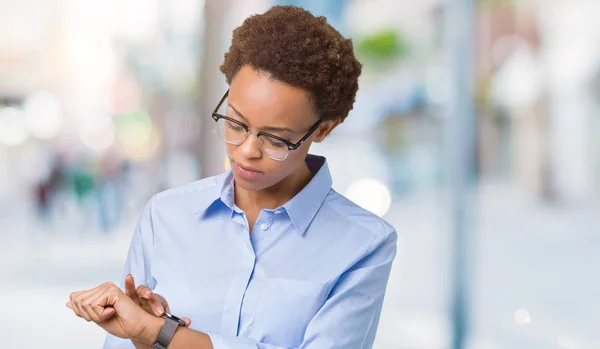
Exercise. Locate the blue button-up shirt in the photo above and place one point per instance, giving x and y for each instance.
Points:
(312, 274)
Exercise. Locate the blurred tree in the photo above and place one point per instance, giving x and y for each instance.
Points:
(383, 46)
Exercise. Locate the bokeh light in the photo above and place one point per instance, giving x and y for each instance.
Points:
(43, 115)
(371, 194)
(136, 136)
(13, 130)
(522, 317)
(98, 134)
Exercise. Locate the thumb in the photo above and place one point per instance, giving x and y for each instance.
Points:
(107, 313)
(164, 304)
(130, 287)
(187, 321)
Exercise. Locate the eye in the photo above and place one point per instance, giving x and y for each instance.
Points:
(275, 143)
(235, 127)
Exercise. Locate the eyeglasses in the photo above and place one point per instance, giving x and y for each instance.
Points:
(235, 132)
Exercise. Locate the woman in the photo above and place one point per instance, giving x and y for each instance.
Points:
(267, 255)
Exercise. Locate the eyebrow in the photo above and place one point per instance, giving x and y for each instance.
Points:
(267, 128)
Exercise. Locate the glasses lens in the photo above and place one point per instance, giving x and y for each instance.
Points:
(231, 132)
(273, 148)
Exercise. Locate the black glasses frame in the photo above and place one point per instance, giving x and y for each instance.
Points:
(291, 146)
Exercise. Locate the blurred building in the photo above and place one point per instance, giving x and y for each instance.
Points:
(105, 103)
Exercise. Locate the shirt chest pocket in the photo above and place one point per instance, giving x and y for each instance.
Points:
(284, 309)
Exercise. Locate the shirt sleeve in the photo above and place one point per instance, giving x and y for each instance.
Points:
(350, 316)
(138, 264)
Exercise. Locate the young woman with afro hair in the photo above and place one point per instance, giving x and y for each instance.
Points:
(266, 255)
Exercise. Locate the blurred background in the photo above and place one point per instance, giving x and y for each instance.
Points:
(475, 133)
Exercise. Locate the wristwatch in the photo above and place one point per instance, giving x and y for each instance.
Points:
(167, 332)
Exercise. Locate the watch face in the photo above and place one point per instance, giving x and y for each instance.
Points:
(174, 318)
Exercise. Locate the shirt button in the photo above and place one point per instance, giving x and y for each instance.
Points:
(264, 226)
(278, 212)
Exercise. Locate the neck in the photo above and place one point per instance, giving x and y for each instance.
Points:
(275, 196)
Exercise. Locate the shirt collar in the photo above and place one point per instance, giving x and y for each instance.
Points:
(209, 199)
(302, 208)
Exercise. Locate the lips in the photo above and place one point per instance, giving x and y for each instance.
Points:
(246, 172)
(247, 168)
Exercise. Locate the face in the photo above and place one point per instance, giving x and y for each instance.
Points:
(271, 106)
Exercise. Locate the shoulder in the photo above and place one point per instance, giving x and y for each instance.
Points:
(352, 218)
(198, 194)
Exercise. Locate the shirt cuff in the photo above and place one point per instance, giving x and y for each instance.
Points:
(220, 342)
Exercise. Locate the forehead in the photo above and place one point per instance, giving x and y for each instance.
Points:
(268, 102)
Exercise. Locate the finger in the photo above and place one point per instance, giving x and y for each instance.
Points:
(88, 301)
(77, 299)
(73, 302)
(156, 304)
(153, 300)
(99, 310)
(164, 304)
(144, 305)
(95, 312)
(144, 292)
(187, 321)
(114, 297)
(130, 288)
(106, 313)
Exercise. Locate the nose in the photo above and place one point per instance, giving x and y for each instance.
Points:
(250, 148)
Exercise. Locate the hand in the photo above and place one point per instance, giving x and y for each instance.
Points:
(112, 310)
(152, 303)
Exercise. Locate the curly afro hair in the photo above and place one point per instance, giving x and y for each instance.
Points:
(295, 47)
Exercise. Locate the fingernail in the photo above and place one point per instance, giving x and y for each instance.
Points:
(159, 311)
(147, 293)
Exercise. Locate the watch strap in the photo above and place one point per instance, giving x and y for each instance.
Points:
(166, 334)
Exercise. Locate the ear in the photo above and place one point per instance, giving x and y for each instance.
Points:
(325, 129)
